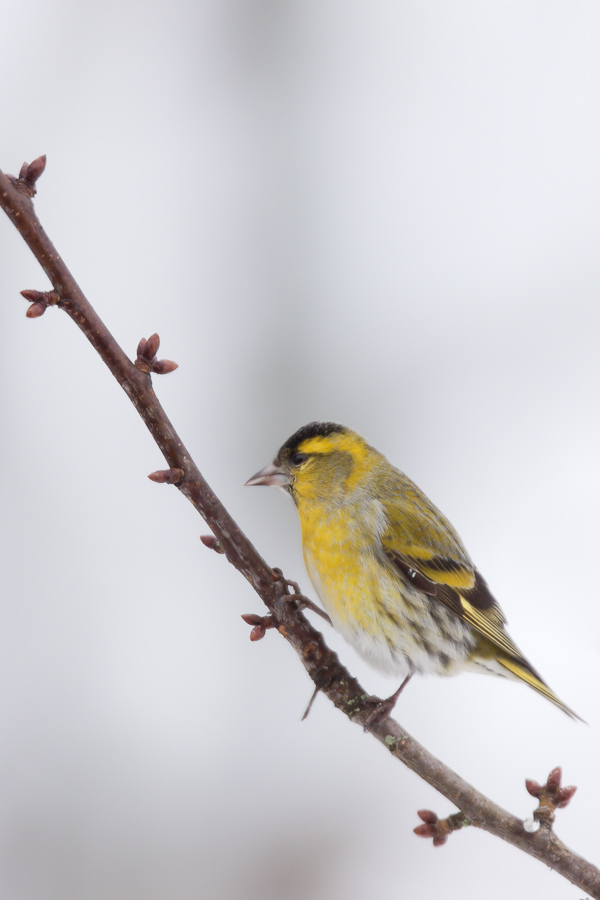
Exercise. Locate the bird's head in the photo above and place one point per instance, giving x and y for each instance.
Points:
(319, 462)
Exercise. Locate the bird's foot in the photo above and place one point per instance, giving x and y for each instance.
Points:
(301, 601)
(260, 624)
(384, 708)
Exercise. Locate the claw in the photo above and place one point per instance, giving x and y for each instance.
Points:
(302, 602)
(384, 708)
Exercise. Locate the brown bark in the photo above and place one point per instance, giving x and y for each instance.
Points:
(285, 613)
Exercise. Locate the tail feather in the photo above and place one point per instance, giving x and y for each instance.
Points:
(521, 670)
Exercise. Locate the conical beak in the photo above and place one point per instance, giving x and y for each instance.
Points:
(271, 476)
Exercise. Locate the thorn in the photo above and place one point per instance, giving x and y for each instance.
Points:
(210, 541)
(164, 366)
(167, 476)
(310, 703)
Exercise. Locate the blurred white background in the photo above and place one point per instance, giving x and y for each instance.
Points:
(384, 214)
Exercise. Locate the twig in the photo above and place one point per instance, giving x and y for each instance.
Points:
(323, 666)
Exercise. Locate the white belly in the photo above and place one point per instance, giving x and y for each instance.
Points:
(393, 626)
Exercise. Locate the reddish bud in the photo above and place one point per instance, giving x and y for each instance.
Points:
(36, 310)
(565, 795)
(167, 476)
(35, 169)
(253, 619)
(152, 345)
(427, 815)
(164, 366)
(28, 176)
(439, 840)
(210, 541)
(533, 787)
(40, 300)
(425, 831)
(260, 625)
(141, 347)
(554, 778)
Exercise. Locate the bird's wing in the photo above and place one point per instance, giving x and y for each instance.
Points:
(463, 591)
(421, 544)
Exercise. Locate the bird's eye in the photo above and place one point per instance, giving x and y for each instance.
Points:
(298, 458)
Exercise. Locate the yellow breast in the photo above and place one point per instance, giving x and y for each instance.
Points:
(387, 620)
(339, 557)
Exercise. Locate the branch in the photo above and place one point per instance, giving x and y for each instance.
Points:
(285, 614)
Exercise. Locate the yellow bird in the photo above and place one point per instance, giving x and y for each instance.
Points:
(388, 567)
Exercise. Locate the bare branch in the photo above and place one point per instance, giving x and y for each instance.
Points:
(284, 607)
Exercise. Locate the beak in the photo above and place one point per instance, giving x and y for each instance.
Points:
(271, 476)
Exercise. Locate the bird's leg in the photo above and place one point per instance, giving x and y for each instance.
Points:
(384, 708)
(260, 624)
(278, 575)
(303, 602)
(298, 597)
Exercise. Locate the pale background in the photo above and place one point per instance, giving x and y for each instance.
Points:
(385, 214)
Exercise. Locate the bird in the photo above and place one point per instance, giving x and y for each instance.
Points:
(387, 565)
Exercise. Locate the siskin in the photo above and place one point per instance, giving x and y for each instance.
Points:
(389, 568)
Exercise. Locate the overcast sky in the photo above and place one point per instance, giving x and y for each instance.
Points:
(382, 214)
